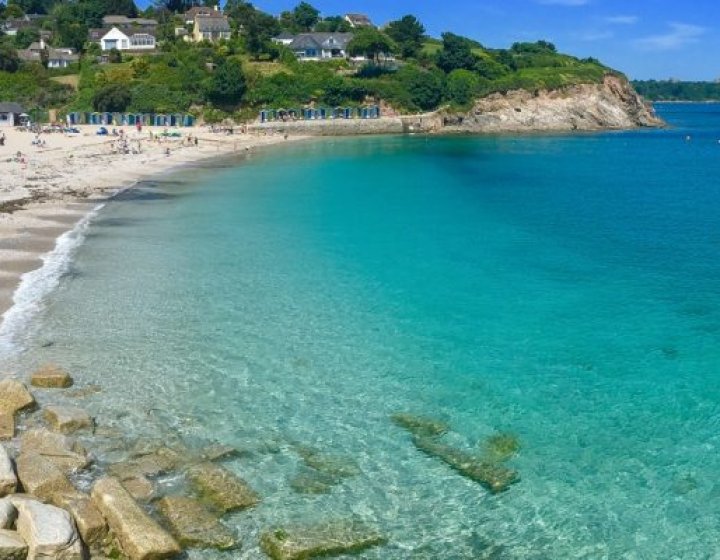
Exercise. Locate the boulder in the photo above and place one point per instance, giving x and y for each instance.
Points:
(138, 535)
(8, 513)
(51, 376)
(67, 419)
(139, 487)
(422, 426)
(7, 426)
(88, 520)
(12, 546)
(48, 531)
(43, 479)
(223, 489)
(14, 397)
(159, 462)
(193, 525)
(492, 476)
(323, 539)
(65, 452)
(8, 479)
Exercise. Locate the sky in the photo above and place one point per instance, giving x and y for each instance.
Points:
(645, 39)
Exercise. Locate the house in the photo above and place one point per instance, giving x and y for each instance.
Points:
(285, 38)
(192, 13)
(319, 46)
(11, 26)
(41, 53)
(124, 22)
(141, 40)
(10, 114)
(211, 28)
(358, 20)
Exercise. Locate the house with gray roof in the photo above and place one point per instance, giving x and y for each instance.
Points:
(40, 52)
(124, 22)
(10, 114)
(319, 46)
(211, 28)
(358, 20)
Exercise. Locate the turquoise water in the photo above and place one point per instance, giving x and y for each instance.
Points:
(561, 288)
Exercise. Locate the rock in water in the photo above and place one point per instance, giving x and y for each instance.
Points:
(12, 546)
(492, 476)
(51, 376)
(90, 523)
(222, 488)
(420, 425)
(14, 397)
(60, 449)
(309, 541)
(8, 480)
(7, 426)
(139, 536)
(42, 478)
(67, 419)
(195, 526)
(48, 531)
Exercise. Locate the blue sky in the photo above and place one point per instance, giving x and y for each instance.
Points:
(643, 38)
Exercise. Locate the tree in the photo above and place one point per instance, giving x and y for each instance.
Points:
(333, 24)
(456, 53)
(181, 6)
(112, 98)
(257, 30)
(114, 56)
(425, 88)
(227, 85)
(9, 60)
(408, 33)
(33, 6)
(305, 16)
(462, 86)
(371, 43)
(25, 36)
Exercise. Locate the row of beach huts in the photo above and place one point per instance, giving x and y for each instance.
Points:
(130, 119)
(319, 114)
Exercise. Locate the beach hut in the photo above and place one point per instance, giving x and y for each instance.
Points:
(106, 118)
(374, 112)
(364, 113)
(161, 120)
(188, 120)
(348, 113)
(308, 114)
(73, 118)
(321, 113)
(264, 115)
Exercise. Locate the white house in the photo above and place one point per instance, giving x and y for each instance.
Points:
(10, 114)
(127, 40)
(319, 46)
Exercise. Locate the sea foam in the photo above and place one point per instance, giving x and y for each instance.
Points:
(31, 294)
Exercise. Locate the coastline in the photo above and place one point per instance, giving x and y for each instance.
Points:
(46, 192)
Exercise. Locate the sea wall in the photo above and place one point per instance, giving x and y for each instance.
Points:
(614, 104)
(334, 127)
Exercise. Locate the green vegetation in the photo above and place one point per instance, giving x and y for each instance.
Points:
(671, 90)
(404, 68)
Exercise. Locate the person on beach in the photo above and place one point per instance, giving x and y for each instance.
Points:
(2, 139)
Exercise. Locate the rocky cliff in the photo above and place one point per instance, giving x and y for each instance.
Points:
(614, 104)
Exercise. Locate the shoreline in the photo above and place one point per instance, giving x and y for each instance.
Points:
(47, 192)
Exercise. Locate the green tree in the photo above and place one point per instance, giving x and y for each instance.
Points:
(180, 6)
(424, 87)
(462, 86)
(371, 43)
(114, 97)
(9, 60)
(456, 53)
(305, 16)
(33, 6)
(25, 36)
(114, 56)
(227, 85)
(13, 11)
(408, 33)
(333, 24)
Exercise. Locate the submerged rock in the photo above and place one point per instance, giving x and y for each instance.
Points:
(138, 535)
(310, 481)
(222, 488)
(48, 531)
(83, 392)
(501, 447)
(14, 397)
(8, 480)
(492, 476)
(139, 487)
(322, 539)
(218, 452)
(67, 419)
(65, 452)
(332, 465)
(156, 463)
(51, 376)
(421, 426)
(193, 525)
(12, 546)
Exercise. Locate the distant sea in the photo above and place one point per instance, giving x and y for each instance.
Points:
(564, 289)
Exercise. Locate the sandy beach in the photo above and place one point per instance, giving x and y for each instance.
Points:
(45, 190)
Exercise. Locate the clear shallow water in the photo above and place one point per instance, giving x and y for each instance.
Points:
(561, 288)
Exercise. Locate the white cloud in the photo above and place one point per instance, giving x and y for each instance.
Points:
(564, 2)
(622, 20)
(680, 34)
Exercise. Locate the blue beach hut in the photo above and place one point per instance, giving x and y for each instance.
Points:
(188, 120)
(348, 113)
